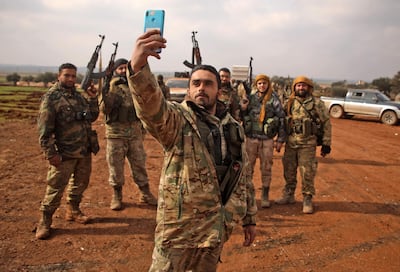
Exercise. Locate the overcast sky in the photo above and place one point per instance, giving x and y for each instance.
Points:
(333, 39)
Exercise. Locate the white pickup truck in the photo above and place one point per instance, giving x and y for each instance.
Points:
(368, 102)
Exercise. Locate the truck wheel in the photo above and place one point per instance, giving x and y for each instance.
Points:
(389, 118)
(336, 111)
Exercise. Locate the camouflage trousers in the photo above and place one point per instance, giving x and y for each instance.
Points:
(185, 259)
(133, 150)
(262, 149)
(72, 172)
(303, 158)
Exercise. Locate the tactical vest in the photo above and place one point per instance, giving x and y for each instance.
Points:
(122, 110)
(229, 167)
(304, 120)
(253, 127)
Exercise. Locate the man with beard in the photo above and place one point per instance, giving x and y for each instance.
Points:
(124, 139)
(65, 134)
(227, 94)
(204, 190)
(307, 118)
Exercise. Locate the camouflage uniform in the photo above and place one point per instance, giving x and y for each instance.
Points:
(191, 215)
(229, 96)
(260, 136)
(64, 125)
(300, 149)
(124, 137)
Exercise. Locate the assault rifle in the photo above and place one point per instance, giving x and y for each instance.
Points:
(109, 72)
(249, 78)
(90, 75)
(196, 56)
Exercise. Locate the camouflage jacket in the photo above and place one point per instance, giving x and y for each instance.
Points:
(229, 96)
(64, 122)
(300, 111)
(118, 110)
(190, 212)
(274, 120)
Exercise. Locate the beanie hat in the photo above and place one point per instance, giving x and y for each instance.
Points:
(302, 79)
(262, 76)
(119, 62)
(299, 79)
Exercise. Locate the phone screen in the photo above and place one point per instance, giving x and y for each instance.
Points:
(154, 19)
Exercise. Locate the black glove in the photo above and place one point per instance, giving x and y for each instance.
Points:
(325, 150)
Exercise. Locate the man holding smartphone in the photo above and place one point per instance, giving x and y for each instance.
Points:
(205, 187)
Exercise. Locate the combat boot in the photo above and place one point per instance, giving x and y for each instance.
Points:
(287, 198)
(75, 214)
(43, 228)
(265, 203)
(307, 204)
(146, 196)
(116, 202)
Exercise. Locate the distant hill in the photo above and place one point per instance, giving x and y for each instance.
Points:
(31, 69)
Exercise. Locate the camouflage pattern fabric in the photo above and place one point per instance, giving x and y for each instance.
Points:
(299, 112)
(300, 149)
(190, 213)
(273, 109)
(259, 144)
(75, 173)
(185, 259)
(119, 112)
(228, 95)
(64, 122)
(263, 149)
(132, 149)
(124, 135)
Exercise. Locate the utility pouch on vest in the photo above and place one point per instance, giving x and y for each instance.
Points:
(271, 127)
(307, 129)
(94, 142)
(288, 121)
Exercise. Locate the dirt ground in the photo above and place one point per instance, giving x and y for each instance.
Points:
(356, 226)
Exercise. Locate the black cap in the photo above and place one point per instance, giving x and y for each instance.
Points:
(119, 62)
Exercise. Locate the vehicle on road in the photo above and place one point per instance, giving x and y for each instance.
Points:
(178, 87)
(367, 102)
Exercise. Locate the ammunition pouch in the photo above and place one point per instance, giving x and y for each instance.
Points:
(94, 142)
(271, 127)
(306, 127)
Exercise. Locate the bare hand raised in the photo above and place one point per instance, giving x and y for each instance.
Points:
(146, 46)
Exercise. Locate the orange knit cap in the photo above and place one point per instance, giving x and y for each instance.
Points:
(303, 79)
(262, 76)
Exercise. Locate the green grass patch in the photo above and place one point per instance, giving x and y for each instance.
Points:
(20, 102)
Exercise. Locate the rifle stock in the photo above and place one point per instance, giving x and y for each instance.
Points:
(89, 75)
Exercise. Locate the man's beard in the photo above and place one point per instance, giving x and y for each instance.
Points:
(206, 102)
(67, 86)
(301, 93)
